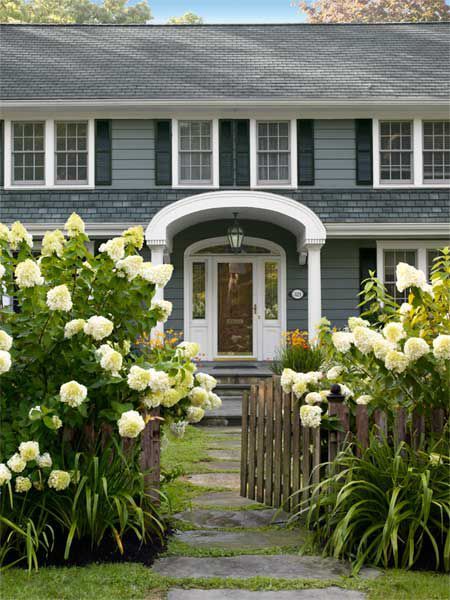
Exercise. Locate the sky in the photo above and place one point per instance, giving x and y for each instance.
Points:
(228, 11)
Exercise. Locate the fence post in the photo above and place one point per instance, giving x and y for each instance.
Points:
(437, 420)
(400, 425)
(244, 444)
(418, 429)
(362, 428)
(150, 454)
(337, 408)
(381, 423)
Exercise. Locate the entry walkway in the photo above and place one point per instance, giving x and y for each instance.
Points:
(232, 538)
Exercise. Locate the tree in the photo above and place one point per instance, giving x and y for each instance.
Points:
(188, 18)
(374, 11)
(114, 12)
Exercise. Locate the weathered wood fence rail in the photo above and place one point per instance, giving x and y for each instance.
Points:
(279, 456)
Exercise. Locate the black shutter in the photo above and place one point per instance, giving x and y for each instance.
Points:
(305, 151)
(367, 262)
(2, 155)
(242, 152)
(363, 130)
(226, 170)
(103, 152)
(163, 153)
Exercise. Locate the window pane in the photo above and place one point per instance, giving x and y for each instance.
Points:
(436, 155)
(396, 151)
(71, 152)
(198, 290)
(273, 152)
(391, 259)
(271, 290)
(431, 255)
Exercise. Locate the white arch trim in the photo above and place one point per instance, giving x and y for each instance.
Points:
(263, 206)
(273, 248)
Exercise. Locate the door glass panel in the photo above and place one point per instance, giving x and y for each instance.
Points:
(235, 308)
(198, 290)
(271, 290)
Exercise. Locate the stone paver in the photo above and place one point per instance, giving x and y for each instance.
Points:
(279, 566)
(226, 465)
(237, 540)
(220, 480)
(330, 593)
(236, 444)
(225, 454)
(225, 499)
(213, 519)
(216, 431)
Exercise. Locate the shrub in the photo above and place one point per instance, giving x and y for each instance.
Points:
(390, 507)
(297, 354)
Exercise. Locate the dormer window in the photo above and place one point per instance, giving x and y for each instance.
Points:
(195, 152)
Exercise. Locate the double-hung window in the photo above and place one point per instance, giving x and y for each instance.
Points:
(436, 151)
(195, 152)
(71, 152)
(396, 152)
(274, 153)
(391, 258)
(28, 153)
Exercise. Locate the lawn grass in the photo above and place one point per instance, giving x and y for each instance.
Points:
(136, 582)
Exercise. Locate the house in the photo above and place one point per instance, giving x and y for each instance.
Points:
(322, 150)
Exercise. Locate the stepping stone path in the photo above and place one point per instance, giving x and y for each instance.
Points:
(224, 521)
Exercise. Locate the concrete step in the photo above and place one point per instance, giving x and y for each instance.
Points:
(231, 407)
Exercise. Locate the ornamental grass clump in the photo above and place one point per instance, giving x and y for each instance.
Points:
(74, 378)
(296, 353)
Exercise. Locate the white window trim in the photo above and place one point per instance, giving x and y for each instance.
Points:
(417, 162)
(214, 183)
(293, 180)
(50, 174)
(420, 246)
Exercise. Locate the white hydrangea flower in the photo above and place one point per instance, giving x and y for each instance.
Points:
(313, 398)
(58, 480)
(134, 236)
(59, 298)
(194, 414)
(5, 474)
(110, 359)
(172, 396)
(114, 248)
(5, 361)
(29, 451)
(313, 377)
(324, 395)
(16, 463)
(2, 271)
(381, 347)
(310, 416)
(287, 380)
(73, 327)
(5, 341)
(152, 400)
(53, 243)
(405, 308)
(345, 391)
(206, 381)
(4, 232)
(130, 424)
(98, 327)
(335, 372)
(158, 275)
(394, 332)
(138, 378)
(131, 266)
(28, 274)
(300, 385)
(396, 361)
(441, 347)
(364, 399)
(198, 396)
(364, 338)
(56, 422)
(214, 400)
(178, 429)
(342, 340)
(44, 461)
(73, 393)
(74, 225)
(164, 308)
(23, 484)
(357, 322)
(415, 348)
(408, 276)
(19, 234)
(159, 381)
(188, 349)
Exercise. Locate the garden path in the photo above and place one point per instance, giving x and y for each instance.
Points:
(233, 539)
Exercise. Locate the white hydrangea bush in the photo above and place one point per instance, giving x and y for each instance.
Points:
(70, 361)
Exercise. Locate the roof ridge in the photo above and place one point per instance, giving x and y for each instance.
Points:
(203, 25)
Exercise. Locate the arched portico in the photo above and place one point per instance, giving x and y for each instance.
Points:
(284, 212)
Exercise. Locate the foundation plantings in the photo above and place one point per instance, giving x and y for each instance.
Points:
(77, 391)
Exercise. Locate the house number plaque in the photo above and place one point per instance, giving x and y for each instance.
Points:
(296, 294)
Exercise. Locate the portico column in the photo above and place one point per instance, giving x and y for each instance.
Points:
(157, 258)
(314, 288)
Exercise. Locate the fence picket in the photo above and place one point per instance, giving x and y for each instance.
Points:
(362, 427)
(244, 444)
(252, 442)
(287, 433)
(269, 443)
(260, 430)
(278, 425)
(306, 462)
(296, 453)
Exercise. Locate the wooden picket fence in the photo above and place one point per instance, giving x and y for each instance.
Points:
(279, 456)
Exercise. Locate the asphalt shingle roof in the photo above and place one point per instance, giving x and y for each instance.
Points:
(291, 61)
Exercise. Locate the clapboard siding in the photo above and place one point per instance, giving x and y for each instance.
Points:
(334, 144)
(133, 154)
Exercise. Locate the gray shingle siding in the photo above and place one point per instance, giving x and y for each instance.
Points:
(114, 206)
(343, 61)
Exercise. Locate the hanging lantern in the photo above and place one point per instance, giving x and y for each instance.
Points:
(235, 235)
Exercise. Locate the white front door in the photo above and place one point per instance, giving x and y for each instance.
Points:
(235, 304)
